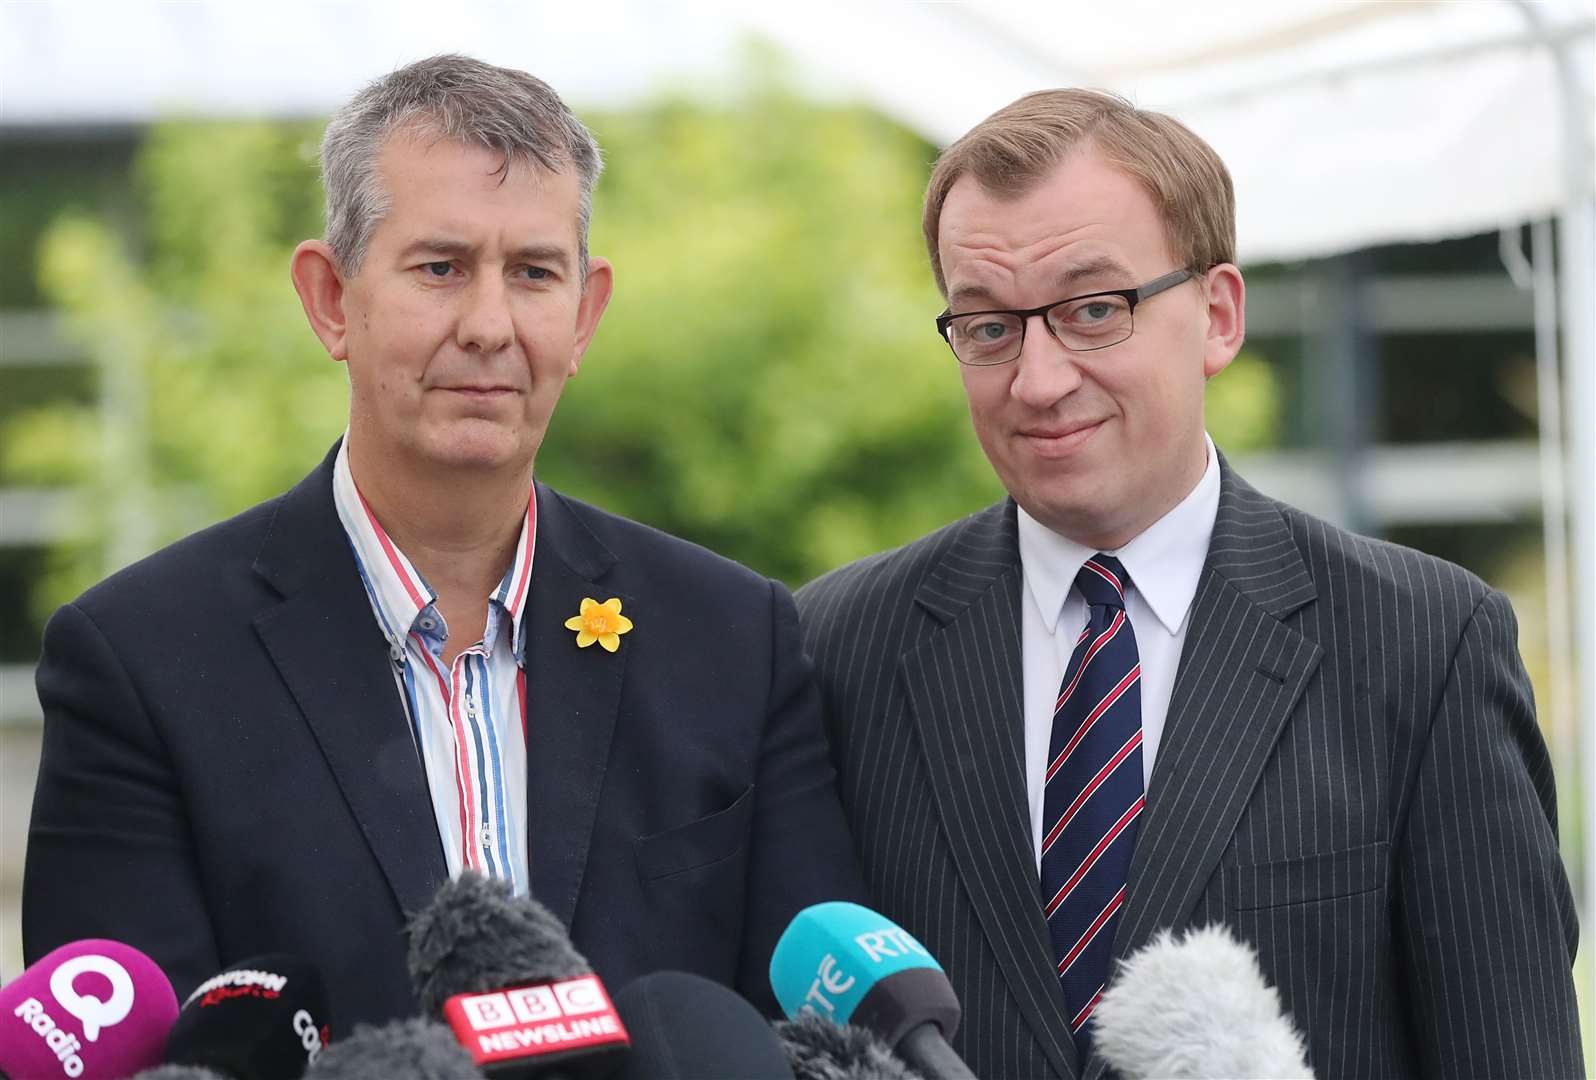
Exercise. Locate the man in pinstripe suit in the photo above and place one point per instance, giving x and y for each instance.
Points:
(1326, 742)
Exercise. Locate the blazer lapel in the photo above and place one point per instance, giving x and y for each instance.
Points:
(326, 644)
(964, 687)
(1241, 673)
(573, 697)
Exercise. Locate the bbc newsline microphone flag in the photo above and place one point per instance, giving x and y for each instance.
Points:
(500, 970)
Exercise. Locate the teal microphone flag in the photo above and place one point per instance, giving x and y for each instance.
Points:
(832, 954)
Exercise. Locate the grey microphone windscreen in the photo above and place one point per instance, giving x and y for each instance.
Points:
(477, 935)
(1196, 1008)
(819, 1049)
(398, 1050)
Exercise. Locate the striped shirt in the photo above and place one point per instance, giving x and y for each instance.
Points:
(468, 718)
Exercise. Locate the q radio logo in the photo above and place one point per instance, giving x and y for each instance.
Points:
(76, 985)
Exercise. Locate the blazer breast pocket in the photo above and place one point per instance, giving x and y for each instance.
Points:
(697, 844)
(1321, 925)
(1309, 879)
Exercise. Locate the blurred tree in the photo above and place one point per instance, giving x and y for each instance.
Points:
(212, 389)
(1244, 404)
(767, 380)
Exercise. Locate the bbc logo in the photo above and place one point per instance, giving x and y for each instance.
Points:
(535, 1004)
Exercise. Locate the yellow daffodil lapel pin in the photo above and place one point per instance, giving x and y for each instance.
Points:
(598, 622)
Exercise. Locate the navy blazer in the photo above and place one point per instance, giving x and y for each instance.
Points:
(228, 770)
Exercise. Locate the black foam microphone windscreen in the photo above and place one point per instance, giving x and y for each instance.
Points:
(685, 1027)
(264, 1018)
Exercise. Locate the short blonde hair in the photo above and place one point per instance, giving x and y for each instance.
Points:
(1017, 146)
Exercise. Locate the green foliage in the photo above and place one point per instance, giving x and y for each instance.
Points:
(1243, 406)
(768, 380)
(43, 177)
(214, 390)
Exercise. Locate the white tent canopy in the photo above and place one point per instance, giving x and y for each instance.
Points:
(1344, 124)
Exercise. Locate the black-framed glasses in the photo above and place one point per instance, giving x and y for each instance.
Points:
(1080, 324)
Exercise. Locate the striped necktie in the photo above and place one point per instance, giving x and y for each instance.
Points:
(1092, 797)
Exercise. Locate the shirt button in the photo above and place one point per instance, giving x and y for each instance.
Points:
(429, 623)
(487, 837)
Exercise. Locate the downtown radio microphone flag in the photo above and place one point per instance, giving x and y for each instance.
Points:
(91, 1010)
(502, 972)
(264, 1018)
(856, 966)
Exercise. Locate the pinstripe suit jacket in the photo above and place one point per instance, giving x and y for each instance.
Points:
(1351, 778)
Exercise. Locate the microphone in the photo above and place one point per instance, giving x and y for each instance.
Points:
(398, 1050)
(265, 1018)
(502, 972)
(818, 1049)
(89, 1010)
(686, 1027)
(1193, 1008)
(178, 1072)
(855, 966)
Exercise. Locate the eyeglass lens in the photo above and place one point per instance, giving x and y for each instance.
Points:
(1093, 322)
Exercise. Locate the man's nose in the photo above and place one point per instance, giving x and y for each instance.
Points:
(485, 324)
(1045, 370)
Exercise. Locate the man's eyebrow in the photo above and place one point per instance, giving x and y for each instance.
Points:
(1099, 266)
(457, 249)
(435, 246)
(966, 294)
(556, 253)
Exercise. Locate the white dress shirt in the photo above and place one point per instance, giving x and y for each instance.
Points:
(1165, 563)
(469, 717)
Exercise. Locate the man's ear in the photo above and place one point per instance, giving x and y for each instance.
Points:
(595, 298)
(321, 291)
(1227, 318)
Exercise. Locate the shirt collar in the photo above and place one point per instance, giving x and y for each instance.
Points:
(1165, 561)
(400, 596)
(510, 595)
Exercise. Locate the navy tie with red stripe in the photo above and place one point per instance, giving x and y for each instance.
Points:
(1092, 797)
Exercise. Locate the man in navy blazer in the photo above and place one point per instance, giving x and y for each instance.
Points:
(243, 755)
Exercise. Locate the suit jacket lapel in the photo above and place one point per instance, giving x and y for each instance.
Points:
(326, 644)
(1241, 673)
(572, 700)
(964, 687)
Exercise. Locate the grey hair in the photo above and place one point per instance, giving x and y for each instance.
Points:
(451, 97)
